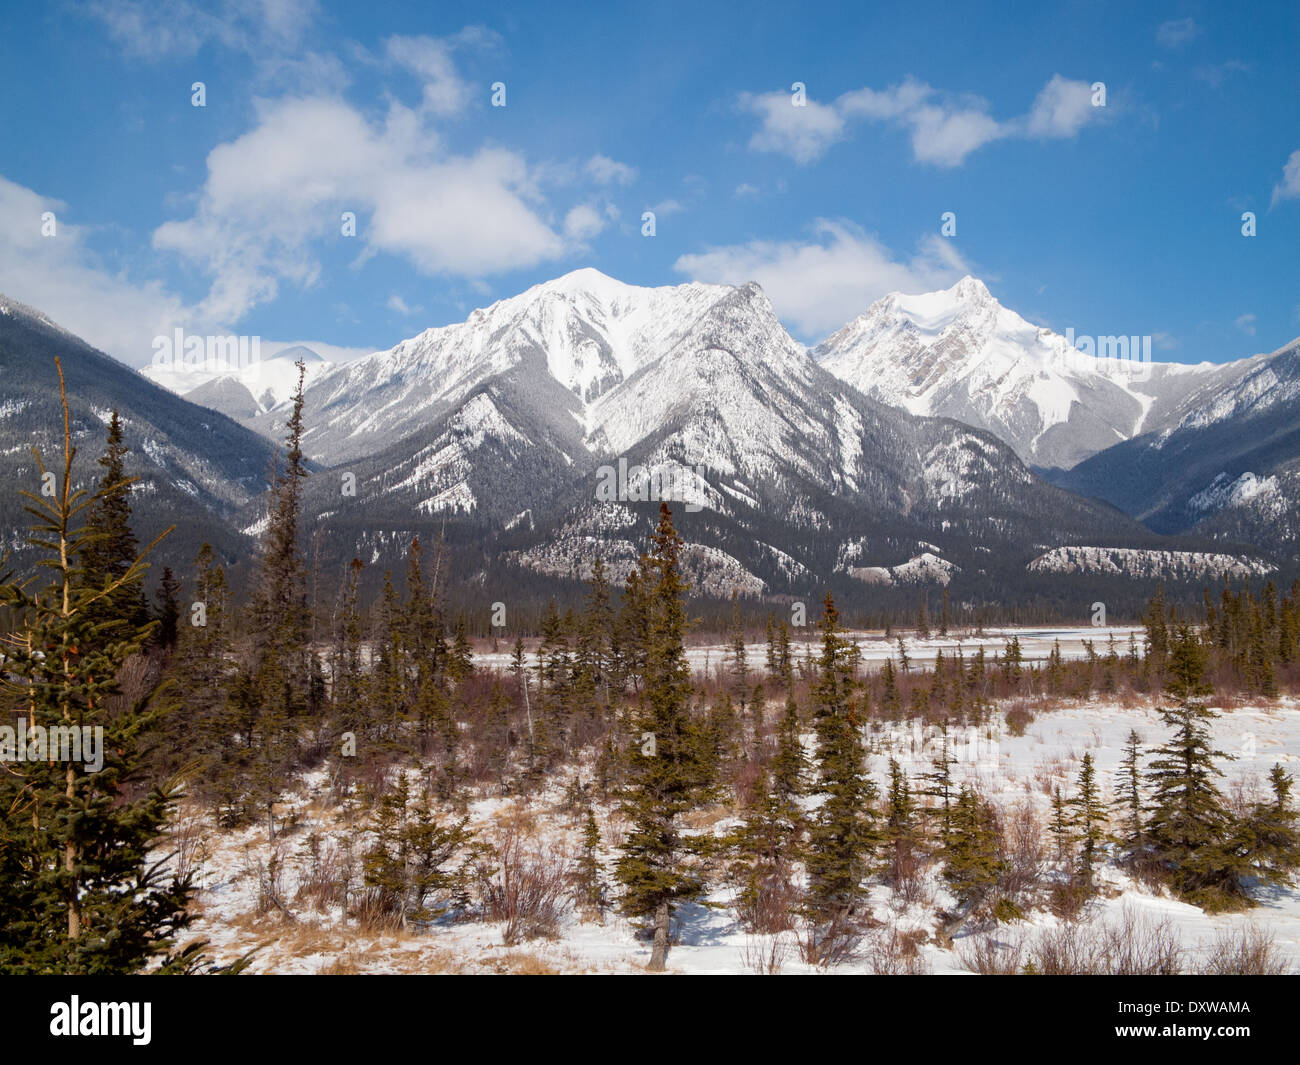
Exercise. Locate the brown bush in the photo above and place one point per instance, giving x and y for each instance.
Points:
(524, 885)
(1250, 952)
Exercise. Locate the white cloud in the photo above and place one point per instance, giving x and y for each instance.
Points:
(278, 190)
(745, 190)
(328, 352)
(1176, 32)
(583, 222)
(430, 59)
(820, 284)
(803, 133)
(664, 208)
(1062, 108)
(1246, 323)
(154, 29)
(944, 129)
(1166, 341)
(606, 171)
(62, 277)
(1289, 187)
(396, 303)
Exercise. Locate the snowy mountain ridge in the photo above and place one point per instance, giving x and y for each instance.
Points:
(959, 353)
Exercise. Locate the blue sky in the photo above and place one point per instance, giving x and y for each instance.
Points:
(1122, 219)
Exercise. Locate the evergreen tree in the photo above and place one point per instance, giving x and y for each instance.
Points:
(1190, 828)
(275, 689)
(110, 549)
(1128, 799)
(939, 782)
(1087, 818)
(1060, 826)
(841, 838)
(1274, 850)
(82, 894)
(169, 610)
(667, 773)
(970, 854)
(591, 886)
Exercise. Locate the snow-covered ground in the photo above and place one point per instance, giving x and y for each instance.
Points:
(1035, 645)
(1010, 769)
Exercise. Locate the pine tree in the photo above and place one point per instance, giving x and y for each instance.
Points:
(939, 782)
(890, 701)
(1190, 828)
(970, 856)
(1128, 799)
(591, 884)
(110, 547)
(169, 610)
(900, 829)
(408, 861)
(275, 689)
(82, 894)
(461, 663)
(1087, 818)
(789, 763)
(1060, 826)
(668, 777)
(1274, 850)
(841, 839)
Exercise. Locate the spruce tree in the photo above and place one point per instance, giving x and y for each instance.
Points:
(1128, 799)
(1274, 838)
(970, 856)
(667, 771)
(110, 547)
(275, 688)
(841, 838)
(82, 895)
(1088, 819)
(1190, 827)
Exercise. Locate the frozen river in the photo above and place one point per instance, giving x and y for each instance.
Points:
(1035, 645)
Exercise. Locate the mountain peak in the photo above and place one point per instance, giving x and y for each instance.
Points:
(585, 279)
(970, 288)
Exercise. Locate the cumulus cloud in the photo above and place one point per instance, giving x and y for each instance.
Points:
(274, 192)
(1289, 187)
(818, 285)
(430, 59)
(1062, 108)
(583, 222)
(803, 133)
(606, 171)
(944, 129)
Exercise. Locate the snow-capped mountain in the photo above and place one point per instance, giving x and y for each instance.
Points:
(242, 390)
(511, 424)
(197, 469)
(1227, 465)
(960, 354)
